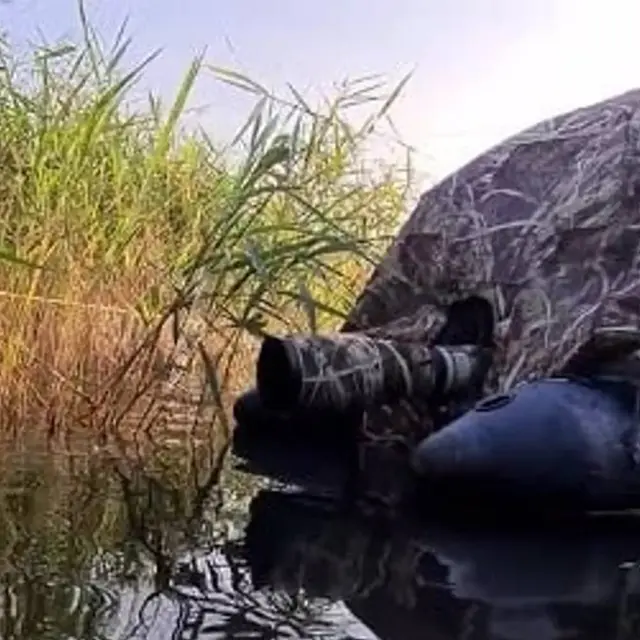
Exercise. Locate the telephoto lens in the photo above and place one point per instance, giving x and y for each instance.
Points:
(349, 371)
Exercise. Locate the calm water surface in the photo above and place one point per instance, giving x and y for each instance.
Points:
(142, 542)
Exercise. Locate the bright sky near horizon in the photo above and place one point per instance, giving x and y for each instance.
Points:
(482, 69)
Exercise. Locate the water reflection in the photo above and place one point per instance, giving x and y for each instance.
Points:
(144, 542)
(417, 582)
(138, 543)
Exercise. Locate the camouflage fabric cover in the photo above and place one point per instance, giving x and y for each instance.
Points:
(545, 226)
(352, 371)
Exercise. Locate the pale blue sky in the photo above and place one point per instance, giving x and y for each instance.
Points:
(482, 68)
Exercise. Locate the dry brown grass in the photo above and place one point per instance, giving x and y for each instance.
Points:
(62, 355)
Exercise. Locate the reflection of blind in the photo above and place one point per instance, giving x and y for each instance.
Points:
(526, 623)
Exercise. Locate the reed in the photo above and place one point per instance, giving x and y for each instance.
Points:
(139, 259)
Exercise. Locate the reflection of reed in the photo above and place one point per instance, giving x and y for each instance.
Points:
(101, 545)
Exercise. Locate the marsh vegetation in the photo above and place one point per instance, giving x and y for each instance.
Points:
(139, 259)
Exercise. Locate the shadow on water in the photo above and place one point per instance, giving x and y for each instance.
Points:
(145, 544)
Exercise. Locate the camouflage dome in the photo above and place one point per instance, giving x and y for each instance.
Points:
(545, 227)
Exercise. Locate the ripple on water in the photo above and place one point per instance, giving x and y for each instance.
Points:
(141, 542)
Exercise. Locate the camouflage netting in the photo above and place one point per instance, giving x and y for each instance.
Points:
(545, 227)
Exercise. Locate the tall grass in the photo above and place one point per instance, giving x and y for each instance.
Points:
(137, 259)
